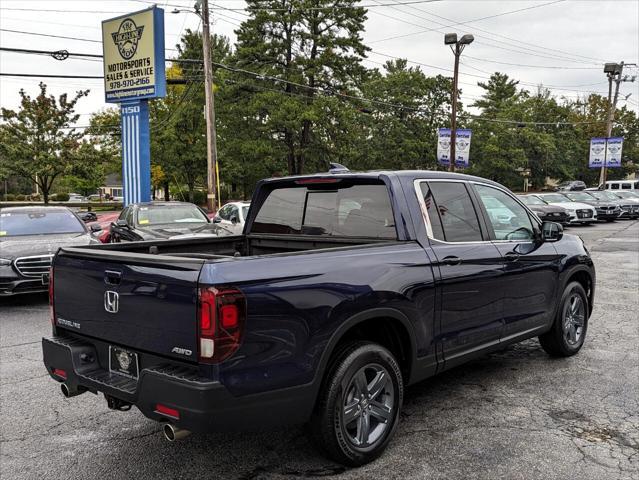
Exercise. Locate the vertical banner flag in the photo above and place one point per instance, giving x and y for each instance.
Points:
(605, 152)
(613, 157)
(462, 147)
(133, 47)
(597, 152)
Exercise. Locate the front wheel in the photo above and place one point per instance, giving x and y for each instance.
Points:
(568, 332)
(359, 404)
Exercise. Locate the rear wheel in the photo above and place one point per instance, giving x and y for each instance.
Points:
(358, 407)
(568, 332)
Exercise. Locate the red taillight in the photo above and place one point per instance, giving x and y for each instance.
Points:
(222, 313)
(51, 304)
(169, 412)
(60, 373)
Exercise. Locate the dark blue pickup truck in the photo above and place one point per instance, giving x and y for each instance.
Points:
(343, 289)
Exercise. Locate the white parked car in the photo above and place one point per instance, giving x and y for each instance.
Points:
(579, 212)
(232, 216)
(632, 185)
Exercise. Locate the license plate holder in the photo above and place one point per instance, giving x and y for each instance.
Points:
(123, 362)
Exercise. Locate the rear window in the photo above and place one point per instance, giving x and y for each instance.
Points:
(360, 210)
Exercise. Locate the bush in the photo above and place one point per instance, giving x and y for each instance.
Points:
(199, 198)
(21, 197)
(9, 197)
(62, 197)
(35, 197)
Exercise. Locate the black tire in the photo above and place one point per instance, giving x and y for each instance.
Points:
(338, 402)
(610, 220)
(568, 331)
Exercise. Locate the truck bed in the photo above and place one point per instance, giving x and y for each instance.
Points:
(233, 246)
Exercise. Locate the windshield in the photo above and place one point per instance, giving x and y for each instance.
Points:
(580, 197)
(532, 200)
(627, 195)
(605, 196)
(162, 214)
(39, 222)
(555, 198)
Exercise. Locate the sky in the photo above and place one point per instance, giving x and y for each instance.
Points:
(561, 44)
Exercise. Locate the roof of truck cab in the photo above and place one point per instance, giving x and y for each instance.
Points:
(409, 175)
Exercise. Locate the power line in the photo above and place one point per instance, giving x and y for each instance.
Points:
(517, 40)
(115, 12)
(475, 20)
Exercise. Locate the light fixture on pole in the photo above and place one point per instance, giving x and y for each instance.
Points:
(457, 47)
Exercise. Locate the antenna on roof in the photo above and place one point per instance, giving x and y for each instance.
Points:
(337, 168)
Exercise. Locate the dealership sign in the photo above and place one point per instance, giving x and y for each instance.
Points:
(133, 48)
(605, 152)
(462, 146)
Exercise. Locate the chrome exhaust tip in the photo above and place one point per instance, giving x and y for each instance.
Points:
(173, 434)
(69, 392)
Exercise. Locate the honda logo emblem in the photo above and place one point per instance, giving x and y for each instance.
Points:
(111, 301)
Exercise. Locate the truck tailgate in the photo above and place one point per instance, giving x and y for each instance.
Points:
(144, 302)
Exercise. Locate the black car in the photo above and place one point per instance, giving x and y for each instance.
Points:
(87, 217)
(29, 238)
(606, 209)
(545, 211)
(571, 186)
(162, 220)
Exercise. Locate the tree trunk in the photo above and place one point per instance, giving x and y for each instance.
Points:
(167, 195)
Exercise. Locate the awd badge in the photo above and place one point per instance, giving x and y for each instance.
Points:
(127, 38)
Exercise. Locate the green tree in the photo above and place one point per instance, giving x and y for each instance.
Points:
(299, 46)
(39, 142)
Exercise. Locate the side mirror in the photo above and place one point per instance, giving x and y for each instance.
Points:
(217, 219)
(551, 232)
(95, 227)
(121, 224)
(234, 219)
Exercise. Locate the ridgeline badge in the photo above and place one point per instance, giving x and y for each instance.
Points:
(127, 37)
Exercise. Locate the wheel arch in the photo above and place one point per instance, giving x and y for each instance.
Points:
(399, 339)
(585, 278)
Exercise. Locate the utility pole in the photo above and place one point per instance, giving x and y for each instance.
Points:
(613, 72)
(457, 48)
(211, 140)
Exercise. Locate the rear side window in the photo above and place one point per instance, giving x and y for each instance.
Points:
(614, 186)
(451, 212)
(346, 211)
(626, 186)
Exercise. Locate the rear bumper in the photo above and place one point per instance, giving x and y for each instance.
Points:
(204, 405)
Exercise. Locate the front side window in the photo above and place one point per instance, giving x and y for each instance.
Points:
(355, 210)
(510, 220)
(451, 212)
(614, 186)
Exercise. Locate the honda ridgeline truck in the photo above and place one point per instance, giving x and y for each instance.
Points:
(343, 289)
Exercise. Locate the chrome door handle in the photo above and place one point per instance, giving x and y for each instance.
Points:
(452, 261)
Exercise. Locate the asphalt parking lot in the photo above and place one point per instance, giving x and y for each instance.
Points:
(514, 414)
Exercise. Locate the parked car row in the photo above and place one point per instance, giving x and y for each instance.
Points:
(583, 207)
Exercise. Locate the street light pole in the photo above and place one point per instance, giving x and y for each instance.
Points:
(453, 118)
(613, 71)
(211, 140)
(457, 47)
